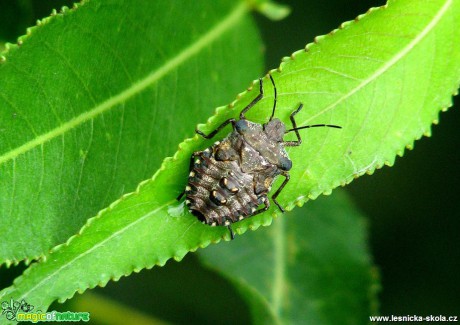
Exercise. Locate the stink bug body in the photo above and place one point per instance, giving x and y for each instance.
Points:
(231, 179)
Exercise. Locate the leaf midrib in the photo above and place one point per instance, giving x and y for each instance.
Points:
(236, 14)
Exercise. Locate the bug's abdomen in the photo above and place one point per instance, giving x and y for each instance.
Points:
(218, 192)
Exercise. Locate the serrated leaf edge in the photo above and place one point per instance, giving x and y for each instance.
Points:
(299, 201)
(9, 47)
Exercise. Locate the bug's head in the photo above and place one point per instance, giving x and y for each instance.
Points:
(275, 130)
(285, 164)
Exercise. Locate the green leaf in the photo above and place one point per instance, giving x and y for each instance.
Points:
(312, 266)
(97, 96)
(383, 78)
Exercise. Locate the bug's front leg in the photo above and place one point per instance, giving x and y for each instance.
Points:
(255, 100)
(278, 191)
(294, 128)
(220, 127)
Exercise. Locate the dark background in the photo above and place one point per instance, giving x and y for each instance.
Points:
(412, 207)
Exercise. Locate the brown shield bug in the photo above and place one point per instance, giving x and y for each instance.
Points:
(231, 179)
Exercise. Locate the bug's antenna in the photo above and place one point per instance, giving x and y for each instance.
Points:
(274, 101)
(313, 126)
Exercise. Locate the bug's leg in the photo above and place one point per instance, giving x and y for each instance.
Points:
(220, 127)
(180, 195)
(232, 235)
(294, 125)
(265, 208)
(278, 191)
(255, 100)
(296, 129)
(192, 161)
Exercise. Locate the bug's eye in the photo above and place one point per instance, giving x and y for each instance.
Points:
(241, 126)
(285, 164)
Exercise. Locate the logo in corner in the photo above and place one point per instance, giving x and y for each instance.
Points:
(12, 308)
(21, 311)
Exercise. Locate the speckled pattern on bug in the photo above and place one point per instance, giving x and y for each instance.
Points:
(231, 179)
